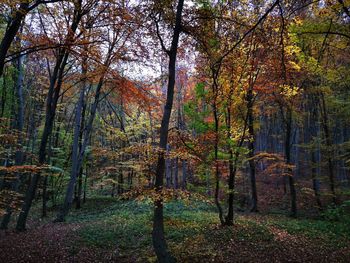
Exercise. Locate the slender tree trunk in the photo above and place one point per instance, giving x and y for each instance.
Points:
(176, 173)
(85, 184)
(184, 175)
(251, 148)
(231, 186)
(80, 187)
(232, 170)
(78, 156)
(168, 168)
(44, 197)
(288, 162)
(56, 81)
(75, 154)
(19, 127)
(216, 160)
(330, 163)
(233, 163)
(315, 182)
(158, 238)
(313, 129)
(51, 104)
(13, 27)
(80, 178)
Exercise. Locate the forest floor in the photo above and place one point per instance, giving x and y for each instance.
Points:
(107, 230)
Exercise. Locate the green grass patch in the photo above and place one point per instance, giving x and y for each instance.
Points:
(250, 230)
(334, 233)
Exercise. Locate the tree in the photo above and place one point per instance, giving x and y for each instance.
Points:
(56, 80)
(159, 243)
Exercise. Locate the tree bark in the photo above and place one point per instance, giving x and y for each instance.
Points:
(327, 135)
(158, 238)
(251, 149)
(19, 127)
(11, 31)
(56, 81)
(288, 162)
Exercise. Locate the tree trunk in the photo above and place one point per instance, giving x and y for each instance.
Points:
(75, 155)
(288, 162)
(158, 238)
(184, 175)
(168, 168)
(19, 127)
(85, 184)
(176, 173)
(231, 187)
(251, 148)
(80, 187)
(56, 81)
(216, 160)
(327, 135)
(11, 31)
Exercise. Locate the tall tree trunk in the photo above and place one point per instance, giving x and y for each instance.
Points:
(158, 238)
(78, 156)
(232, 169)
(287, 149)
(327, 135)
(75, 154)
(19, 127)
(184, 175)
(51, 104)
(176, 173)
(168, 168)
(314, 130)
(80, 188)
(251, 148)
(231, 186)
(14, 25)
(56, 81)
(216, 159)
(85, 184)
(80, 178)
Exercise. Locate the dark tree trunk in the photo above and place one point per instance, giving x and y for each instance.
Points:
(314, 130)
(51, 104)
(251, 148)
(13, 27)
(184, 175)
(158, 238)
(80, 178)
(327, 136)
(120, 183)
(315, 182)
(176, 173)
(56, 81)
(231, 186)
(78, 156)
(75, 156)
(233, 162)
(19, 127)
(232, 170)
(85, 184)
(168, 168)
(44, 195)
(288, 146)
(216, 160)
(80, 188)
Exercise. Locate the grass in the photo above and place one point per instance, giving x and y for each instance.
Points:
(336, 234)
(193, 229)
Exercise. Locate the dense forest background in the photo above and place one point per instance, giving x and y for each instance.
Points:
(183, 130)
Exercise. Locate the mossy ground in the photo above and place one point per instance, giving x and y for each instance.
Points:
(111, 230)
